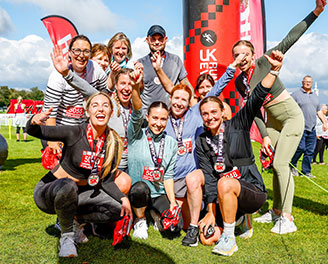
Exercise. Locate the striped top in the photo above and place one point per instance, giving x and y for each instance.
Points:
(67, 102)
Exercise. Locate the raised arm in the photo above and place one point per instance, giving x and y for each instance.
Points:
(157, 64)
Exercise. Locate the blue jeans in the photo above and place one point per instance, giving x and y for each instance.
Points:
(306, 146)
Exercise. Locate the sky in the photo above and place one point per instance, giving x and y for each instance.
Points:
(25, 44)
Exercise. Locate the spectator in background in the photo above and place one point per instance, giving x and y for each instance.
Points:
(309, 104)
(322, 138)
(20, 118)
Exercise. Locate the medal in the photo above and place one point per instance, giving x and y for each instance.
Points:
(93, 179)
(157, 175)
(182, 150)
(219, 166)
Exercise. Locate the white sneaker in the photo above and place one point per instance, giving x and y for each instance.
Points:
(67, 247)
(140, 229)
(245, 229)
(79, 236)
(284, 225)
(268, 217)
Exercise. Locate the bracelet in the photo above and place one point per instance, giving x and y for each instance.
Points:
(275, 73)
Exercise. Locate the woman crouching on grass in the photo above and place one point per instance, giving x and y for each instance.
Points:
(81, 188)
(225, 156)
(152, 155)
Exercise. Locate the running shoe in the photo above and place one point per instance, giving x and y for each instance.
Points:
(268, 217)
(226, 245)
(67, 248)
(309, 175)
(191, 238)
(283, 226)
(140, 229)
(245, 229)
(294, 172)
(79, 236)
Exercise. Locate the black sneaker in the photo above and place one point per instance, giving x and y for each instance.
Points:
(191, 238)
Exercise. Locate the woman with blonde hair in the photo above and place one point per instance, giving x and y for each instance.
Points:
(81, 189)
(20, 117)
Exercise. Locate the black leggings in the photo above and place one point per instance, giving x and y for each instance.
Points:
(64, 198)
(250, 200)
(140, 197)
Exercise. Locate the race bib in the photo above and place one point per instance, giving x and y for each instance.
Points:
(152, 174)
(86, 160)
(74, 112)
(235, 173)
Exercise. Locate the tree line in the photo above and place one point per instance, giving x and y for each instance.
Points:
(6, 94)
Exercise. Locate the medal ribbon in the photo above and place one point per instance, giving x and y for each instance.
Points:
(178, 130)
(219, 148)
(247, 79)
(99, 146)
(126, 119)
(156, 159)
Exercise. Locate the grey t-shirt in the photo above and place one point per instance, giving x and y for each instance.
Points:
(153, 90)
(309, 104)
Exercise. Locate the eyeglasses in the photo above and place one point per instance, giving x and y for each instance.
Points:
(77, 52)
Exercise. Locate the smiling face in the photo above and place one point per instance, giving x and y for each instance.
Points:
(249, 59)
(102, 59)
(180, 102)
(212, 116)
(204, 88)
(307, 83)
(99, 111)
(124, 89)
(80, 61)
(120, 51)
(157, 119)
(156, 42)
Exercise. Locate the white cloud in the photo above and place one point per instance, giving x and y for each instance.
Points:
(5, 22)
(87, 16)
(25, 63)
(308, 56)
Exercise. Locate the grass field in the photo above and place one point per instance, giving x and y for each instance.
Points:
(27, 234)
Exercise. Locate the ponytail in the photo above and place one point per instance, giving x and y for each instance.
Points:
(114, 149)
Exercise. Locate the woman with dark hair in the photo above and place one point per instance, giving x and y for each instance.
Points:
(81, 188)
(152, 156)
(225, 156)
(204, 84)
(65, 101)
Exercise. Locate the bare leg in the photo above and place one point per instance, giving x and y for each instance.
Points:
(195, 182)
(183, 203)
(123, 181)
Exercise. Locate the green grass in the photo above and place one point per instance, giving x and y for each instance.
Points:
(27, 234)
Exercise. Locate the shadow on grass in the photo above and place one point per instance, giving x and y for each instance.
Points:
(101, 251)
(300, 202)
(11, 164)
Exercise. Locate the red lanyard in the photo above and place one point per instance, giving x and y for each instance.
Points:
(156, 159)
(99, 146)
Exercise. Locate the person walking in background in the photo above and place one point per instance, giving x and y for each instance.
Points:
(322, 138)
(309, 104)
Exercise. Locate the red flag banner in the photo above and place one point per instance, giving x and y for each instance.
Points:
(60, 30)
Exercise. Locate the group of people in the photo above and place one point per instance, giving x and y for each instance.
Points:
(143, 141)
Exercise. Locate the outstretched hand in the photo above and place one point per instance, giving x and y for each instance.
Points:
(320, 6)
(275, 59)
(60, 61)
(41, 118)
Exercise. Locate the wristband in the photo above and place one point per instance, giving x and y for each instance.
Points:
(275, 73)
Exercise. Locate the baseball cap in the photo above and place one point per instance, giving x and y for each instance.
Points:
(156, 29)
